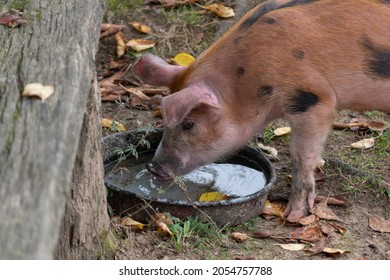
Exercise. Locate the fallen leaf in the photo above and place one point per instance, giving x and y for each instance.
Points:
(163, 229)
(292, 246)
(308, 220)
(379, 224)
(161, 217)
(268, 150)
(141, 27)
(282, 131)
(322, 211)
(332, 200)
(113, 125)
(120, 44)
(133, 224)
(220, 10)
(338, 228)
(364, 144)
(107, 29)
(212, 196)
(309, 233)
(318, 247)
(38, 90)
(12, 19)
(329, 230)
(183, 59)
(239, 237)
(333, 251)
(274, 208)
(376, 126)
(140, 44)
(262, 233)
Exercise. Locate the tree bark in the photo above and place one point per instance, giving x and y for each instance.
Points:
(39, 141)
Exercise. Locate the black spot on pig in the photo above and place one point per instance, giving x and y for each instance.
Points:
(240, 71)
(301, 101)
(377, 63)
(268, 20)
(237, 40)
(297, 53)
(271, 6)
(265, 90)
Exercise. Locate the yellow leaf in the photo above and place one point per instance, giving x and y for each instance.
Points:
(220, 10)
(133, 224)
(183, 59)
(212, 196)
(334, 251)
(113, 125)
(141, 27)
(282, 131)
(364, 144)
(163, 229)
(140, 44)
(38, 90)
(120, 44)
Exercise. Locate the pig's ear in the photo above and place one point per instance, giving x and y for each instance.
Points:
(155, 71)
(197, 99)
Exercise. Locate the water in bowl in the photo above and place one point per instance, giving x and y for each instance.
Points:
(232, 180)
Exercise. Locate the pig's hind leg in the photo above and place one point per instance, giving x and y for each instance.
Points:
(309, 132)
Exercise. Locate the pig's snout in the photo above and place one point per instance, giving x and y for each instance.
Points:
(156, 169)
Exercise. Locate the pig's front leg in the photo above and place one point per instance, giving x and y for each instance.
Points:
(309, 131)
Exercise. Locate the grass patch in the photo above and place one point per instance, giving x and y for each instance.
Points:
(121, 6)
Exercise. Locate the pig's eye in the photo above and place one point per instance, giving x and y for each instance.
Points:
(187, 125)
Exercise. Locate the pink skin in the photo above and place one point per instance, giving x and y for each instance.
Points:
(258, 70)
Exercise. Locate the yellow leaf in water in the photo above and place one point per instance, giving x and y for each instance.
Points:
(183, 59)
(364, 144)
(140, 44)
(282, 131)
(113, 125)
(212, 196)
(120, 44)
(220, 10)
(133, 224)
(38, 90)
(141, 27)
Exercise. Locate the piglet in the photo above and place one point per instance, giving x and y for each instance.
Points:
(301, 60)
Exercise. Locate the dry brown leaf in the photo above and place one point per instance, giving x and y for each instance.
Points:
(113, 125)
(239, 237)
(322, 211)
(274, 209)
(107, 29)
(332, 200)
(333, 251)
(292, 246)
(143, 28)
(133, 224)
(12, 19)
(364, 144)
(318, 247)
(120, 44)
(140, 44)
(280, 131)
(268, 150)
(38, 90)
(262, 233)
(309, 233)
(329, 230)
(220, 10)
(338, 228)
(379, 224)
(160, 217)
(376, 126)
(163, 229)
(308, 220)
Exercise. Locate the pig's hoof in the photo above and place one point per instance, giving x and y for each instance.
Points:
(298, 207)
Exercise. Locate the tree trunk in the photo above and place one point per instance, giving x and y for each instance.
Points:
(39, 141)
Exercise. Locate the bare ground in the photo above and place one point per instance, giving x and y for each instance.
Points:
(351, 174)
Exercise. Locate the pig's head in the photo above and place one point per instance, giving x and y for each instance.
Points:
(197, 128)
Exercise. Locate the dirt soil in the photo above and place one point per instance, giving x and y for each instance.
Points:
(354, 175)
